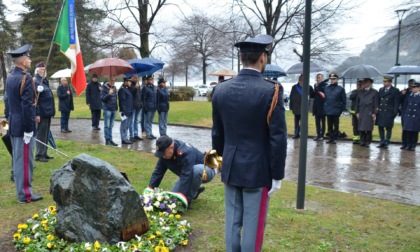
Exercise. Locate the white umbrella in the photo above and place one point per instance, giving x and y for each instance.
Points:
(62, 73)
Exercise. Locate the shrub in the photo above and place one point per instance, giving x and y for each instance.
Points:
(182, 94)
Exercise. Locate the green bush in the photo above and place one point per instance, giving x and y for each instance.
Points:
(182, 94)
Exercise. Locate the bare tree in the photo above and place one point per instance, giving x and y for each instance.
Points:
(201, 37)
(138, 22)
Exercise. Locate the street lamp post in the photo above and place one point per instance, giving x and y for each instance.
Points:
(400, 14)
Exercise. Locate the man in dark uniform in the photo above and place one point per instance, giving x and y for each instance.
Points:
(45, 109)
(186, 162)
(404, 94)
(411, 115)
(354, 120)
(65, 103)
(125, 102)
(366, 110)
(93, 100)
(21, 101)
(249, 129)
(149, 94)
(389, 102)
(137, 108)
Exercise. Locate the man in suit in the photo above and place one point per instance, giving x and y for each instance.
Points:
(295, 103)
(249, 130)
(318, 106)
(389, 102)
(21, 101)
(65, 103)
(366, 111)
(93, 100)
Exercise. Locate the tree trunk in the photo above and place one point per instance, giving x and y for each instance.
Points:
(3, 71)
(186, 76)
(204, 71)
(144, 28)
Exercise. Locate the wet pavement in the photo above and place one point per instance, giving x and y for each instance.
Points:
(390, 174)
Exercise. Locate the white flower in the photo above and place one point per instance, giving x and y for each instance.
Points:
(159, 197)
(37, 235)
(122, 245)
(156, 204)
(35, 227)
(104, 250)
(148, 209)
(172, 206)
(184, 222)
(87, 245)
(138, 238)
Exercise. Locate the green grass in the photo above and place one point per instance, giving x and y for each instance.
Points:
(198, 113)
(332, 221)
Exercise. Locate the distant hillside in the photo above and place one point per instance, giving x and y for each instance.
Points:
(382, 53)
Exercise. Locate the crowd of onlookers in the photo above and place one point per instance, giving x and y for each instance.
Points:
(369, 107)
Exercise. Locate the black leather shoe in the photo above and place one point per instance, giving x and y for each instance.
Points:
(68, 130)
(295, 137)
(138, 138)
(153, 137)
(126, 142)
(113, 143)
(107, 142)
(404, 147)
(200, 190)
(316, 138)
(132, 139)
(411, 148)
(333, 142)
(96, 128)
(48, 157)
(41, 159)
(150, 137)
(64, 131)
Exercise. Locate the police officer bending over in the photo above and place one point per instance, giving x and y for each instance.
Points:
(183, 160)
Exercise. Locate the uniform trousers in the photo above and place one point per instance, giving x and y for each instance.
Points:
(366, 137)
(297, 126)
(124, 128)
(143, 129)
(355, 124)
(134, 126)
(42, 135)
(385, 138)
(163, 122)
(333, 126)
(23, 167)
(148, 120)
(246, 212)
(196, 180)
(320, 125)
(411, 139)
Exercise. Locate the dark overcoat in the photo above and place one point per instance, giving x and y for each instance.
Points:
(22, 111)
(181, 164)
(65, 101)
(335, 100)
(254, 153)
(366, 106)
(319, 98)
(93, 95)
(411, 112)
(149, 98)
(162, 100)
(125, 100)
(296, 98)
(389, 102)
(137, 93)
(46, 106)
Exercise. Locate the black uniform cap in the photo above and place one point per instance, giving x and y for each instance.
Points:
(416, 84)
(388, 78)
(261, 43)
(22, 51)
(162, 144)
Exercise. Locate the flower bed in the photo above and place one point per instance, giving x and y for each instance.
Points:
(167, 229)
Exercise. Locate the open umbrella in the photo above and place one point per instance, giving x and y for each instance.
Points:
(140, 65)
(62, 73)
(223, 72)
(273, 71)
(110, 66)
(404, 70)
(298, 68)
(361, 71)
(157, 66)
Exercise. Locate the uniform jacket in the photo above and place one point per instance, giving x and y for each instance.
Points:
(296, 98)
(93, 95)
(65, 101)
(367, 105)
(389, 103)
(162, 100)
(137, 93)
(22, 111)
(319, 98)
(181, 164)
(149, 98)
(353, 99)
(109, 101)
(411, 112)
(403, 97)
(125, 100)
(46, 105)
(335, 100)
(254, 153)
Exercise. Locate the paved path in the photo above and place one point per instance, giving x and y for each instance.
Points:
(383, 173)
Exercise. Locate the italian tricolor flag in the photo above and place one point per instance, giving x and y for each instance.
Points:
(66, 37)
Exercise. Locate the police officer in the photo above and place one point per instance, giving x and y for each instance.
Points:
(389, 102)
(21, 101)
(249, 129)
(411, 115)
(183, 160)
(334, 105)
(44, 111)
(149, 105)
(125, 101)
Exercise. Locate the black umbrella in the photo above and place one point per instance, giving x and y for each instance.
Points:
(361, 71)
(404, 70)
(298, 68)
(273, 71)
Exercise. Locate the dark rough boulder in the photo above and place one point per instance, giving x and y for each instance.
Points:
(95, 203)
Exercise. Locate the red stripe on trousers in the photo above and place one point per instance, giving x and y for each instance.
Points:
(262, 216)
(26, 172)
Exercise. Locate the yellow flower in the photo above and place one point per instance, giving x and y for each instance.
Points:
(184, 242)
(158, 233)
(171, 216)
(50, 237)
(46, 228)
(140, 245)
(22, 226)
(96, 245)
(89, 248)
(49, 245)
(16, 236)
(178, 216)
(35, 216)
(133, 247)
(160, 214)
(51, 209)
(44, 222)
(152, 237)
(26, 240)
(53, 212)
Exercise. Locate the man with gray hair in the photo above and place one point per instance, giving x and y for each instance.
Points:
(65, 104)
(21, 102)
